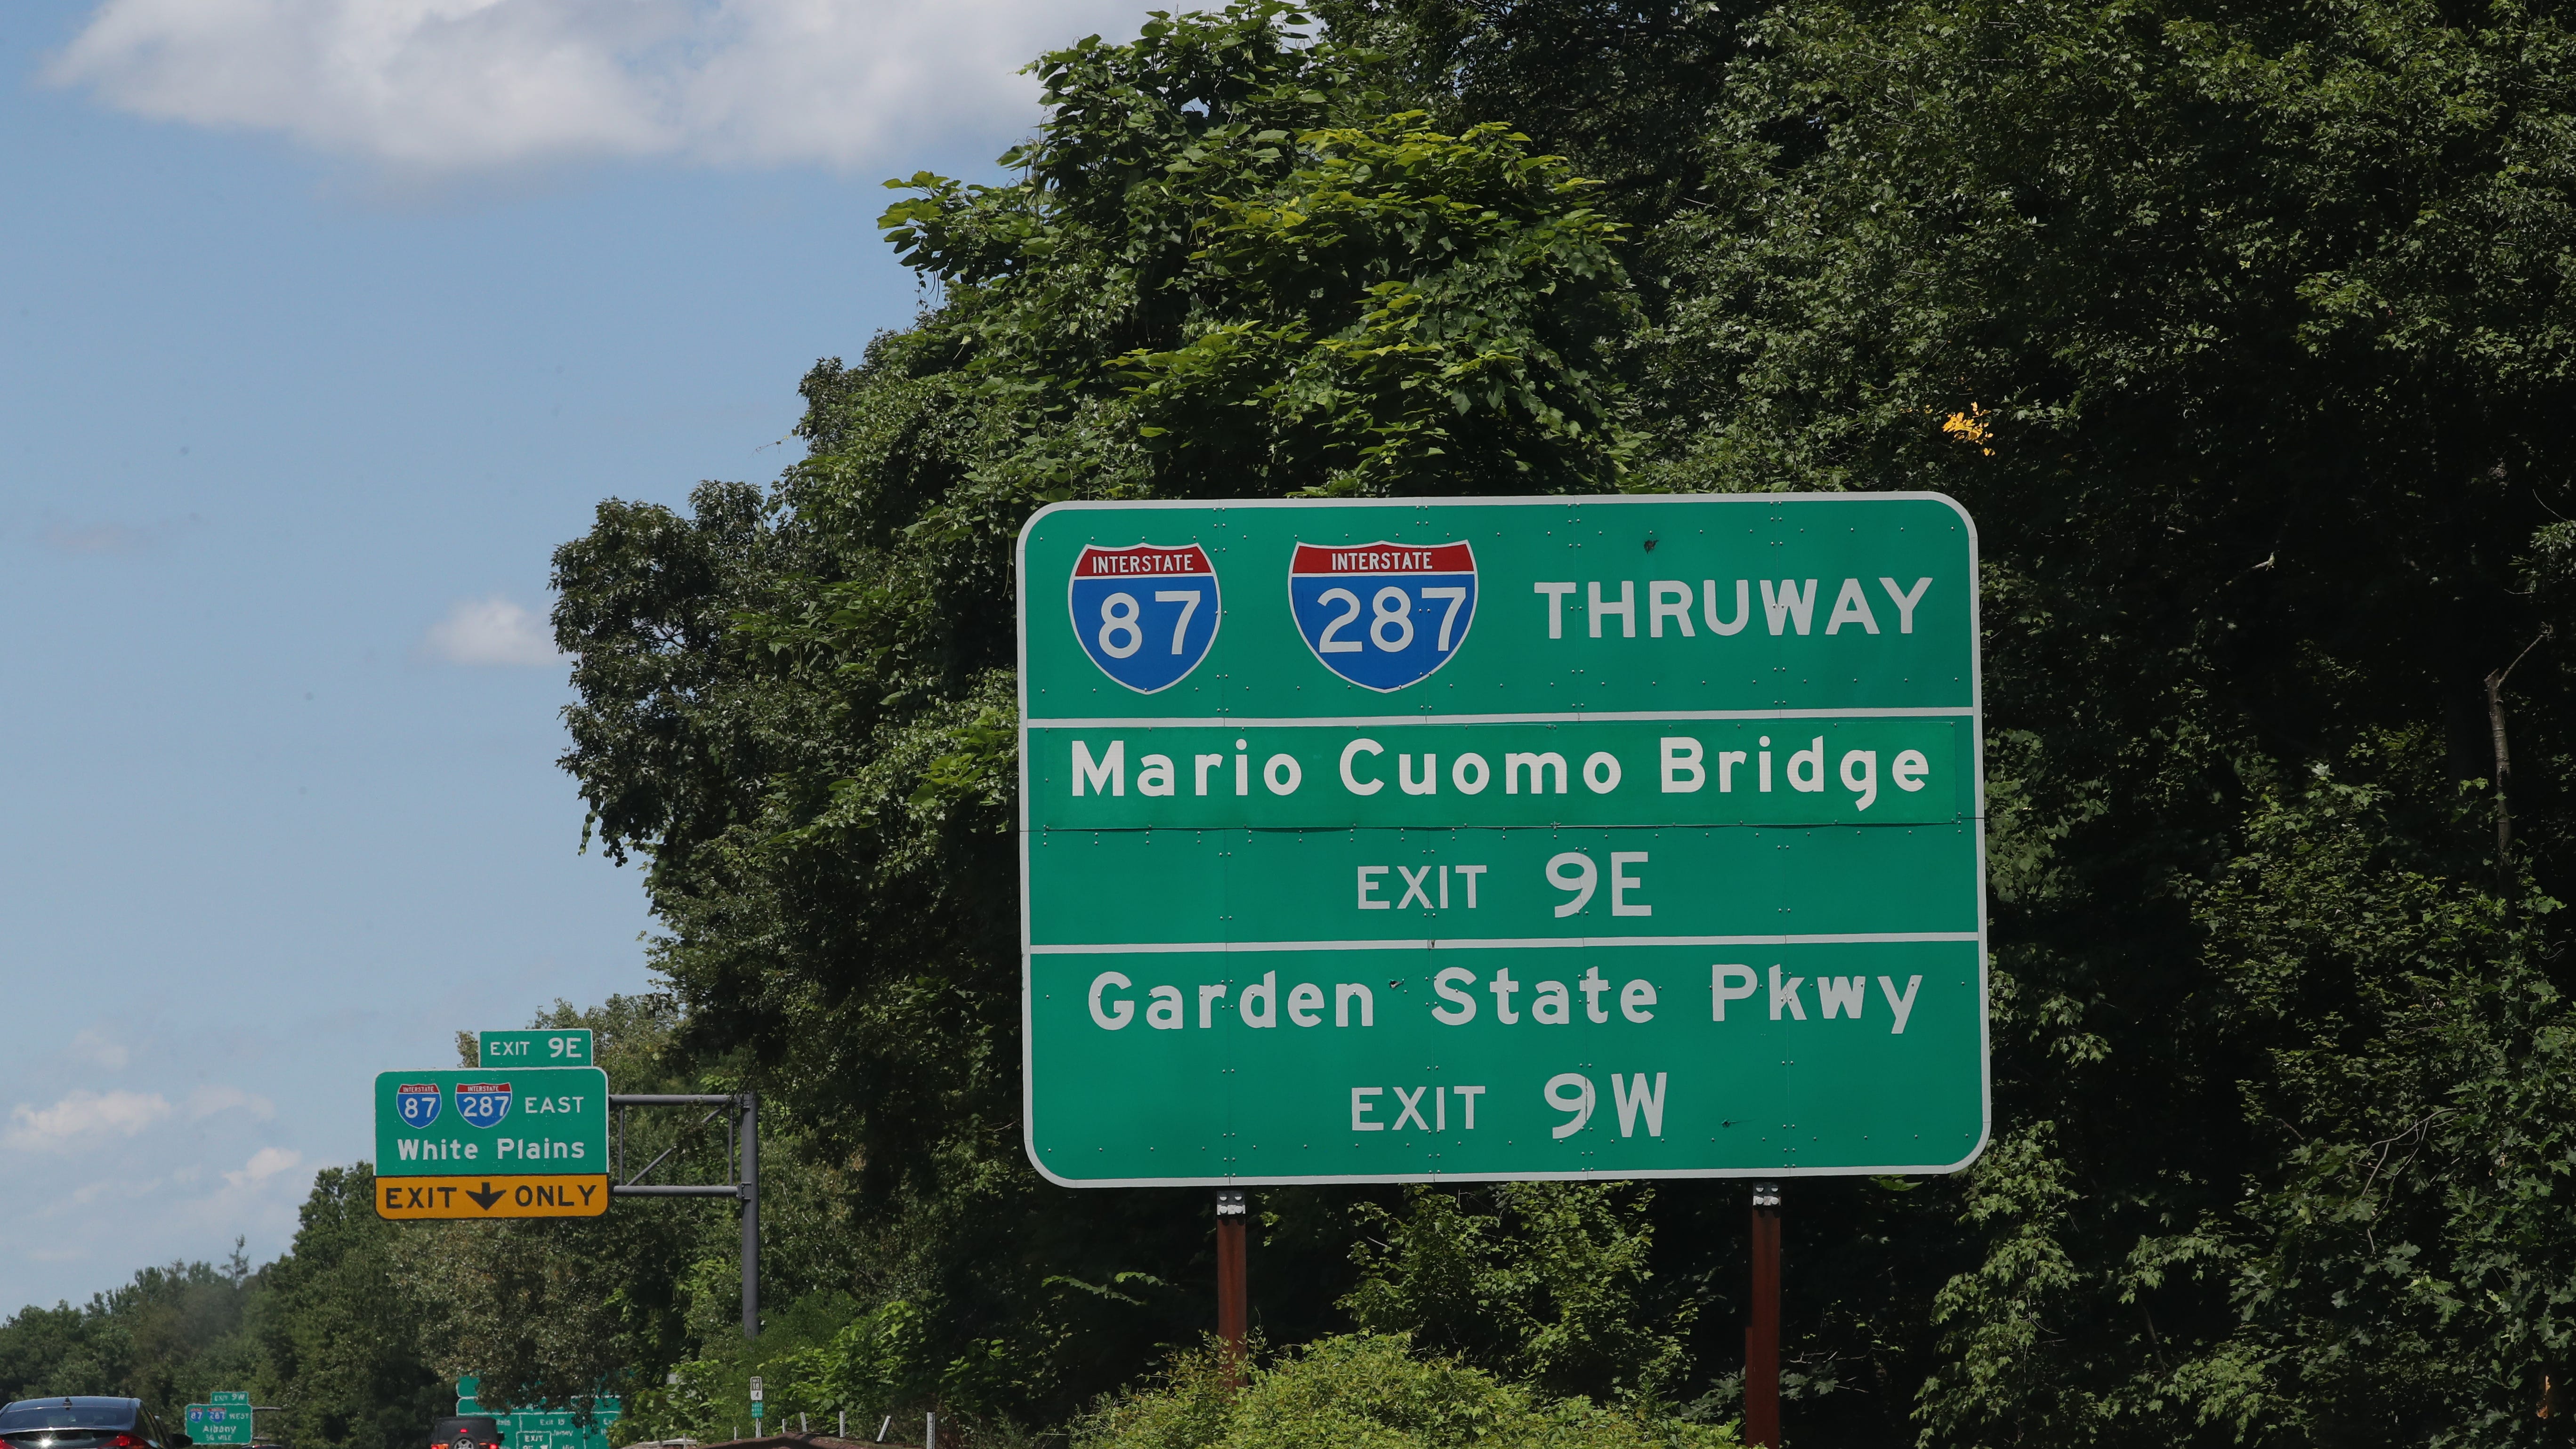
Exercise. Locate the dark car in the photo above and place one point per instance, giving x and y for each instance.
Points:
(83, 1421)
(466, 1431)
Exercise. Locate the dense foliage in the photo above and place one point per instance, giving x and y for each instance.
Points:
(2244, 332)
(1371, 1390)
(2240, 329)
(1229, 265)
(316, 1332)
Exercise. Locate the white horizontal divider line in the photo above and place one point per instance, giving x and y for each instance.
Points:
(1499, 943)
(1577, 716)
(1345, 828)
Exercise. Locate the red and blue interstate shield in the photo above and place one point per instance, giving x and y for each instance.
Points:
(1383, 615)
(418, 1102)
(483, 1104)
(1147, 613)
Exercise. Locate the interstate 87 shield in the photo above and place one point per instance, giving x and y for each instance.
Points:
(1635, 837)
(1145, 615)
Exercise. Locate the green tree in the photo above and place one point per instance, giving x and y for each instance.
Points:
(166, 1337)
(2241, 332)
(1368, 1389)
(351, 1370)
(1626, 89)
(2407, 1260)
(1225, 267)
(1550, 1285)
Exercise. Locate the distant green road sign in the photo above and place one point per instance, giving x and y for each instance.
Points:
(1617, 837)
(224, 1422)
(569, 1047)
(518, 1121)
(545, 1428)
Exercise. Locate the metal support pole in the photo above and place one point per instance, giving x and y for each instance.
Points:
(1232, 1289)
(741, 1114)
(1762, 1339)
(751, 1215)
(703, 1189)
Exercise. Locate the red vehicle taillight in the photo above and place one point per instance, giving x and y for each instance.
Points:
(126, 1441)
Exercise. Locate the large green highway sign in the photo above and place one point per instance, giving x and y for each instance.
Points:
(224, 1419)
(1499, 838)
(492, 1142)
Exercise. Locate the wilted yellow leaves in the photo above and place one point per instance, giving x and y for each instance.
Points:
(1972, 428)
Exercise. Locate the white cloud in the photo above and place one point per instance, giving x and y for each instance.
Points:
(489, 631)
(98, 538)
(451, 85)
(264, 1164)
(90, 1192)
(83, 1115)
(100, 1049)
(207, 1101)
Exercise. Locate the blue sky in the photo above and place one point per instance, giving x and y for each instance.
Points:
(322, 322)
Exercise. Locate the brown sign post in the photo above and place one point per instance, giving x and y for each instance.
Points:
(1232, 1289)
(1762, 1339)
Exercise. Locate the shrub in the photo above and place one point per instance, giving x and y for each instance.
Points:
(1370, 1391)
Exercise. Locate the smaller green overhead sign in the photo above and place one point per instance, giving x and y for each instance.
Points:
(568, 1047)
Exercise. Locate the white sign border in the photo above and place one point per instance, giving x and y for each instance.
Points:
(1976, 710)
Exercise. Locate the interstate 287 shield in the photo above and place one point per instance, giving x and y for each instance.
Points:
(1383, 615)
(483, 1104)
(1146, 614)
